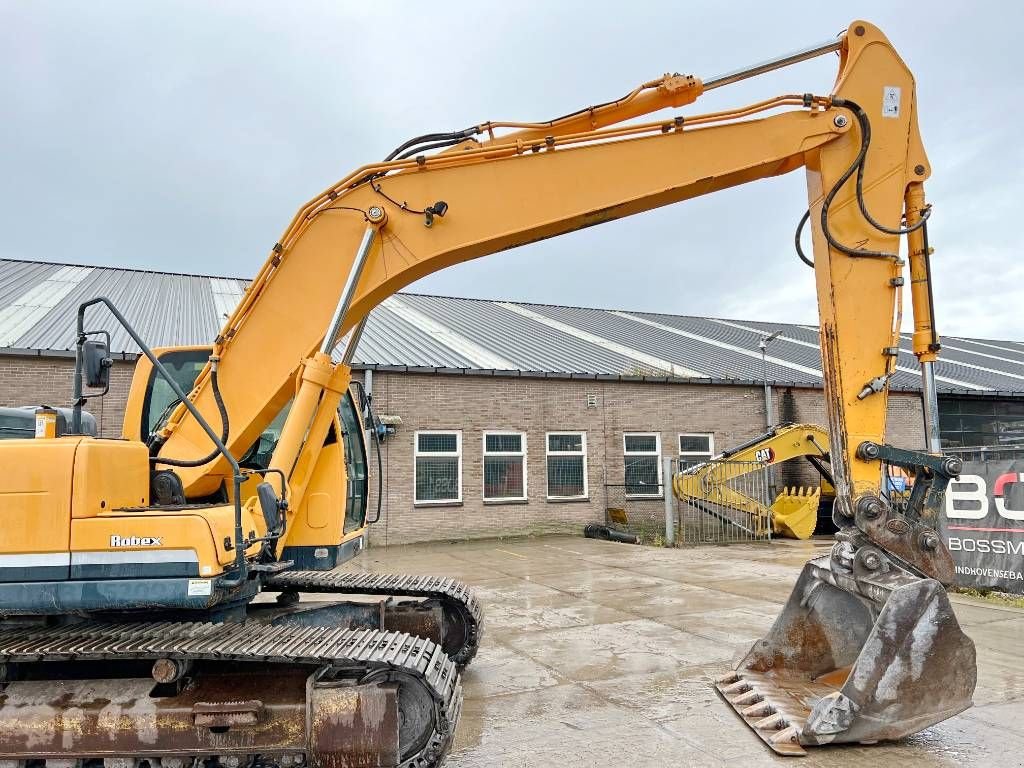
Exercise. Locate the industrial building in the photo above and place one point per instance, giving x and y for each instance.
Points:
(510, 418)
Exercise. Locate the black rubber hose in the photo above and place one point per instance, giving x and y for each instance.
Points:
(857, 162)
(427, 147)
(796, 239)
(223, 433)
(431, 137)
(865, 127)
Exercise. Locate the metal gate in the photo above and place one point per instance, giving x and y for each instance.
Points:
(732, 503)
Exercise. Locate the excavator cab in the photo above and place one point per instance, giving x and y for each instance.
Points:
(151, 401)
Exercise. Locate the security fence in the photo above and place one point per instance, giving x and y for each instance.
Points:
(725, 502)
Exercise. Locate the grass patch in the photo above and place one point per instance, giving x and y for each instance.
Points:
(993, 596)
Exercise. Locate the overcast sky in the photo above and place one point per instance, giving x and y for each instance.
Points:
(183, 136)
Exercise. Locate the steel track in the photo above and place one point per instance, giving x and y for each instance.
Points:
(454, 595)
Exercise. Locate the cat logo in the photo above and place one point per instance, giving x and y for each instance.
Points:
(136, 541)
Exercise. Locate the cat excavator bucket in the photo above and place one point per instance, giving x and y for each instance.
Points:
(794, 512)
(867, 648)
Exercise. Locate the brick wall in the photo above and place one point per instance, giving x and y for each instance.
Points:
(534, 406)
(49, 381)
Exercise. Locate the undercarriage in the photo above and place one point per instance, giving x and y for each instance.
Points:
(318, 682)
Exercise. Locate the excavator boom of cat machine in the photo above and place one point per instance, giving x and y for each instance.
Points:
(793, 513)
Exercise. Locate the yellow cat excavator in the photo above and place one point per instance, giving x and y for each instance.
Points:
(129, 568)
(711, 488)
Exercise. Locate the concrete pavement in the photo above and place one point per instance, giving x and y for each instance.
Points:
(600, 654)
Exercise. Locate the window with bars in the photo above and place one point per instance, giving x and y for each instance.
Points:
(567, 465)
(438, 474)
(642, 458)
(504, 466)
(695, 448)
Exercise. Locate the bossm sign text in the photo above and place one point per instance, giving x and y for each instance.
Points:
(984, 525)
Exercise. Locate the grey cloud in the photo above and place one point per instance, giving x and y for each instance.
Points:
(182, 136)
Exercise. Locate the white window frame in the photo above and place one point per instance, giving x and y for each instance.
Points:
(710, 454)
(656, 453)
(483, 465)
(548, 453)
(446, 454)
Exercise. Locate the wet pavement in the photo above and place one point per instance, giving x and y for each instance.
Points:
(601, 654)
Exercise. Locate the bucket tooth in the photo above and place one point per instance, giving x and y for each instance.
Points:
(788, 735)
(750, 697)
(774, 722)
(761, 709)
(740, 686)
(728, 679)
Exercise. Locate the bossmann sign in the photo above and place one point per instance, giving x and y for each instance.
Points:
(983, 525)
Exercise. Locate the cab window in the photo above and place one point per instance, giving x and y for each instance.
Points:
(183, 366)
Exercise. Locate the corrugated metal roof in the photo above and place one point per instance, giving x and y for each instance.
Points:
(39, 301)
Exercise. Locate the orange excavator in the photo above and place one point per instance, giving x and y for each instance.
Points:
(129, 568)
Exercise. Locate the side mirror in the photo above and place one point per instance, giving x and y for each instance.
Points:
(96, 364)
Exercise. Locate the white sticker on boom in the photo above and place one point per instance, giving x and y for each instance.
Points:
(890, 101)
(200, 587)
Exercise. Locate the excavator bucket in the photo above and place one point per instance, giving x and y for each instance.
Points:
(860, 658)
(795, 512)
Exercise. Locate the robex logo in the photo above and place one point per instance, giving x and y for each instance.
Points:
(135, 541)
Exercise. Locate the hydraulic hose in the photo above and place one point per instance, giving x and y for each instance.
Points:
(865, 128)
(857, 166)
(452, 136)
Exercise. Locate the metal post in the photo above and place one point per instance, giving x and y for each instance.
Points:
(933, 444)
(78, 400)
(667, 470)
(345, 300)
(769, 406)
(769, 416)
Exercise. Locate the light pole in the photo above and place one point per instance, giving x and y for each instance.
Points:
(769, 418)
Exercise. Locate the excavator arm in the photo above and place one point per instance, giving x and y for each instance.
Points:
(496, 186)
